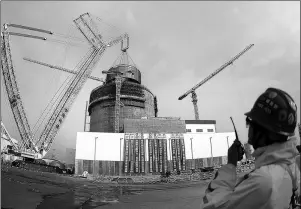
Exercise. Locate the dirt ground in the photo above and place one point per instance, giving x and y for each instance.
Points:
(21, 189)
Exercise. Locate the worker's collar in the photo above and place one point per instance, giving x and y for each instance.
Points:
(276, 153)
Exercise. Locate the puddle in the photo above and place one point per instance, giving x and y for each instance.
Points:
(65, 201)
(88, 197)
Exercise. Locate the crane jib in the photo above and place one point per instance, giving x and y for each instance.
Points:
(58, 68)
(29, 28)
(216, 72)
(13, 93)
(28, 36)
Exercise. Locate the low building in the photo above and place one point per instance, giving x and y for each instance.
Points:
(152, 146)
(200, 126)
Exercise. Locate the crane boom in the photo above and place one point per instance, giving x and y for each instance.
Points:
(59, 68)
(50, 131)
(85, 24)
(14, 94)
(216, 72)
(67, 100)
(121, 39)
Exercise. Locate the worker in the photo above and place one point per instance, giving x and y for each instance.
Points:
(271, 123)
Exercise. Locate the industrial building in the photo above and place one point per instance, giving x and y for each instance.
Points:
(137, 100)
(144, 143)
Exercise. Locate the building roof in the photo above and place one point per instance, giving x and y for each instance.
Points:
(200, 121)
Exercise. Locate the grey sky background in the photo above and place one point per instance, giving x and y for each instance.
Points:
(175, 45)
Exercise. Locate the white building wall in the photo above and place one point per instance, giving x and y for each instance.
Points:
(205, 127)
(220, 143)
(109, 146)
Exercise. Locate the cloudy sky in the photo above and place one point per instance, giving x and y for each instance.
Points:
(174, 44)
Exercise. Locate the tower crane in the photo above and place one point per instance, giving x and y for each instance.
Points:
(119, 79)
(42, 144)
(192, 91)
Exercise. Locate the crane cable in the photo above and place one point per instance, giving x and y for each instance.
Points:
(35, 126)
(61, 89)
(60, 93)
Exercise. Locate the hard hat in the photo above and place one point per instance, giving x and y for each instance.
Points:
(276, 111)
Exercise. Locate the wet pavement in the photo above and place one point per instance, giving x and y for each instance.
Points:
(28, 189)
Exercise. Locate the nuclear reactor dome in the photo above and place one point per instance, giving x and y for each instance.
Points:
(137, 100)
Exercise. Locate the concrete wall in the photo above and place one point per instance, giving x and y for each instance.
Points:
(107, 146)
(138, 102)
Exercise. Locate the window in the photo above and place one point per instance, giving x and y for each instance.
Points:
(188, 130)
(199, 130)
(210, 130)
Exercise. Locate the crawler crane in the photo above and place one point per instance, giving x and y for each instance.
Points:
(40, 145)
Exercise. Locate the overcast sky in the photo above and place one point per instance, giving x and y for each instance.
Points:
(174, 44)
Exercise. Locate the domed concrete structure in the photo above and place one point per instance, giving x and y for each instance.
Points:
(137, 100)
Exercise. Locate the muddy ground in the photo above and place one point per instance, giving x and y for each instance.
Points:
(21, 189)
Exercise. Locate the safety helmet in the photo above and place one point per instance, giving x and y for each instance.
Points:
(276, 111)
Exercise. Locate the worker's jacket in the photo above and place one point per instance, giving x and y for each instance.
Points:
(268, 186)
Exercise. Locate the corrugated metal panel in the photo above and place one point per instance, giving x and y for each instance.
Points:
(165, 155)
(183, 154)
(142, 148)
(126, 153)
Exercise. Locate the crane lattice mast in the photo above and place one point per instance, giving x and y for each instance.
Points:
(13, 89)
(192, 90)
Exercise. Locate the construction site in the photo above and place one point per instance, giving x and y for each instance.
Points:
(121, 117)
(126, 141)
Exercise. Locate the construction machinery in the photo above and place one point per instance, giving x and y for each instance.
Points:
(5, 132)
(40, 145)
(192, 91)
(119, 79)
(59, 68)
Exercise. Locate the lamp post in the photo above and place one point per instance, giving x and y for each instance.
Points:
(228, 141)
(94, 155)
(192, 153)
(120, 148)
(211, 147)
